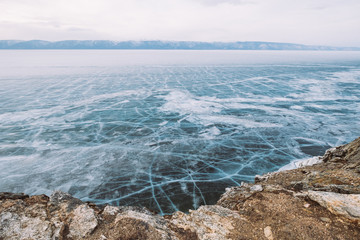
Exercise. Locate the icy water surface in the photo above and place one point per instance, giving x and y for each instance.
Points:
(169, 130)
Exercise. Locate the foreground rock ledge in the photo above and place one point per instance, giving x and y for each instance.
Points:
(321, 201)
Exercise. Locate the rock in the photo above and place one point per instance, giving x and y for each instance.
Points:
(83, 222)
(58, 230)
(339, 173)
(7, 195)
(336, 159)
(328, 154)
(268, 233)
(262, 178)
(19, 221)
(298, 186)
(347, 205)
(209, 222)
(256, 188)
(58, 198)
(325, 219)
(18, 226)
(335, 154)
(236, 195)
(111, 210)
(133, 223)
(353, 165)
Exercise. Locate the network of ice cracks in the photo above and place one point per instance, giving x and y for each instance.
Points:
(169, 137)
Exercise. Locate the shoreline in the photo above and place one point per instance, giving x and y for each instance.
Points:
(317, 201)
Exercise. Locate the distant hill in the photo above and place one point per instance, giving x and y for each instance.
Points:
(105, 44)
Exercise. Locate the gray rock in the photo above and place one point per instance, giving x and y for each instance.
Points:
(325, 219)
(209, 222)
(334, 154)
(268, 233)
(256, 188)
(58, 197)
(347, 205)
(111, 210)
(83, 222)
(14, 226)
(262, 178)
(156, 227)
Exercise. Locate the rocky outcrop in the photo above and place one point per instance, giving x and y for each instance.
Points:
(321, 201)
(347, 205)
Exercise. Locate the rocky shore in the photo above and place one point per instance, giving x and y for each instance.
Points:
(321, 201)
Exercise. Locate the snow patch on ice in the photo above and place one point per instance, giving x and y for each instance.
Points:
(210, 133)
(301, 163)
(207, 110)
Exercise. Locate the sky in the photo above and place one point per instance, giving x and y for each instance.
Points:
(312, 22)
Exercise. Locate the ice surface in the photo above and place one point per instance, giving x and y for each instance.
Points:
(301, 163)
(167, 136)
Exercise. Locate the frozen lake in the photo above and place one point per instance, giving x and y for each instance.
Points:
(169, 130)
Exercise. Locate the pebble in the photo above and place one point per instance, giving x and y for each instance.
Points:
(325, 219)
(268, 233)
(256, 188)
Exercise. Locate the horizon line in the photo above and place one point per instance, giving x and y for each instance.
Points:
(164, 44)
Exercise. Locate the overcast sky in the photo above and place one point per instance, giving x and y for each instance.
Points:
(322, 22)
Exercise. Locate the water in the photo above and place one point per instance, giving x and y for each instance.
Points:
(169, 130)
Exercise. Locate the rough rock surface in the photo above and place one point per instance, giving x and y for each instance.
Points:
(321, 201)
(347, 205)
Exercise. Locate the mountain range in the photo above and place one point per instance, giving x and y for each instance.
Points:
(185, 45)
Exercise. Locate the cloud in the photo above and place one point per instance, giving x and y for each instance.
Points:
(232, 2)
(330, 22)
